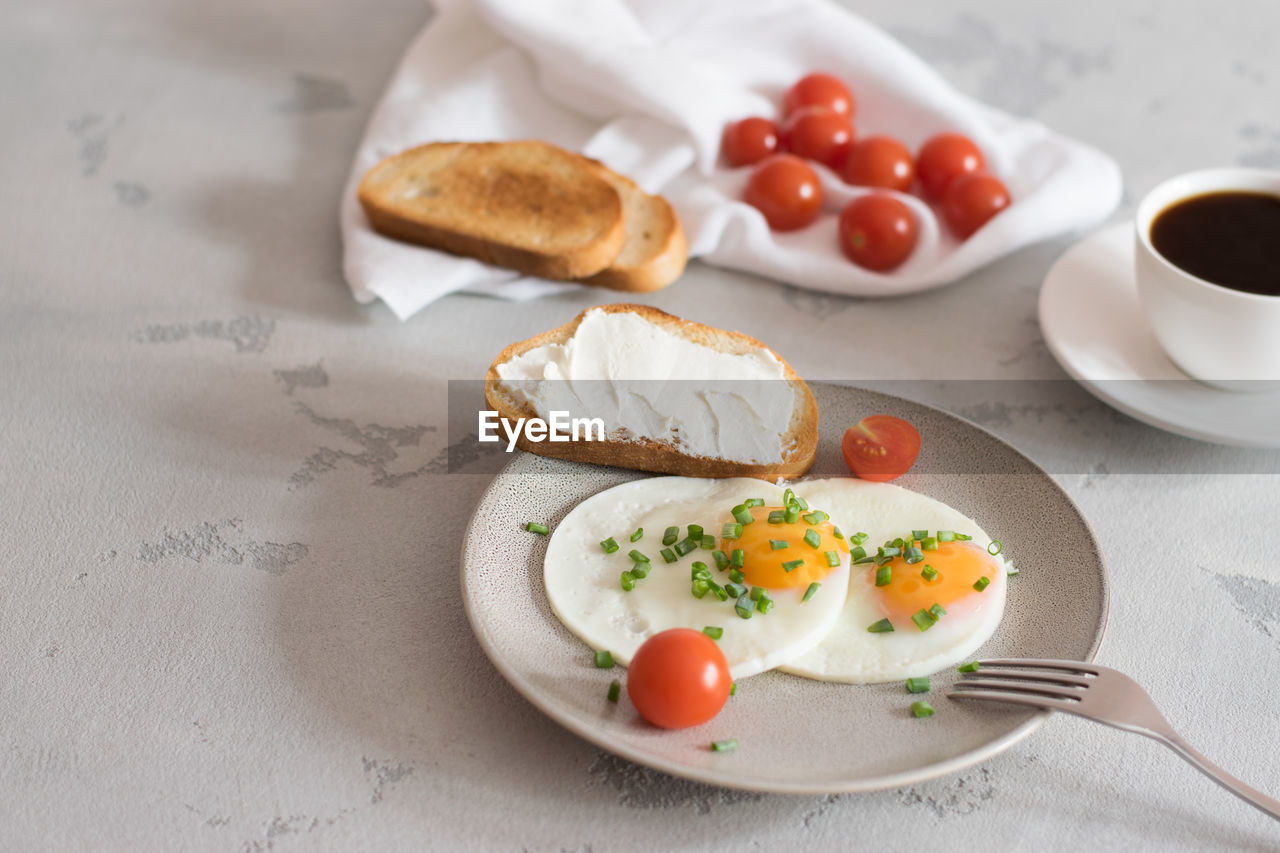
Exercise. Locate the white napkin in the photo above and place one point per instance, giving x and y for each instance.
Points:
(648, 86)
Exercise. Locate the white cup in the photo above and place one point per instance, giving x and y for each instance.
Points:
(1225, 338)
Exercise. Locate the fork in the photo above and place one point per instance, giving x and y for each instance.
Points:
(1096, 693)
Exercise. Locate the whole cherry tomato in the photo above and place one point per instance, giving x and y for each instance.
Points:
(942, 159)
(678, 678)
(786, 190)
(817, 133)
(880, 448)
(749, 141)
(971, 201)
(879, 161)
(877, 231)
(819, 90)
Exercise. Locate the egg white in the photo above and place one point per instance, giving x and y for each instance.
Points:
(849, 653)
(582, 581)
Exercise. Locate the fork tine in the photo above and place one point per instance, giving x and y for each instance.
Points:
(1034, 674)
(1029, 699)
(1044, 663)
(1021, 687)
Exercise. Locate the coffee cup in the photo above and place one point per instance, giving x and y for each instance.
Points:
(1219, 332)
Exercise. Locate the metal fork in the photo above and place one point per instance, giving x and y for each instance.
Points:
(1097, 693)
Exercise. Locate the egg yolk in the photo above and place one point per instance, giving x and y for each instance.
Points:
(958, 564)
(769, 549)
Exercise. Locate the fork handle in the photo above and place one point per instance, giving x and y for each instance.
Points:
(1250, 795)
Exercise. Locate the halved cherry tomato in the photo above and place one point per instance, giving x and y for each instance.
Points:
(749, 141)
(678, 678)
(786, 190)
(819, 90)
(879, 161)
(942, 159)
(880, 448)
(971, 201)
(817, 133)
(877, 231)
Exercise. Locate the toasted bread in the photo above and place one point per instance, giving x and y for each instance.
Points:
(528, 205)
(655, 250)
(799, 443)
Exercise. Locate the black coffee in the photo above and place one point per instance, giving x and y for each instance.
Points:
(1229, 238)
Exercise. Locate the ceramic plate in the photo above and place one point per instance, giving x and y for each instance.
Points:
(796, 735)
(1094, 326)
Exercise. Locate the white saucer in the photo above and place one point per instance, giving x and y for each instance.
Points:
(1095, 328)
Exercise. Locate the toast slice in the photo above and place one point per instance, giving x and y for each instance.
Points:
(663, 453)
(655, 251)
(528, 205)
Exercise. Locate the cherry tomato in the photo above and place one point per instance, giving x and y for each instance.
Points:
(877, 231)
(819, 90)
(817, 133)
(786, 191)
(678, 678)
(880, 448)
(879, 161)
(971, 201)
(942, 159)
(749, 141)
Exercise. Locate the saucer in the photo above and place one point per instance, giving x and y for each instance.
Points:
(1094, 326)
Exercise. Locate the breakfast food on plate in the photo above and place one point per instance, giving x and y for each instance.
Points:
(530, 206)
(674, 396)
(818, 126)
(880, 447)
(679, 678)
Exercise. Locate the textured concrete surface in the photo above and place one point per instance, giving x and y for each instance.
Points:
(229, 607)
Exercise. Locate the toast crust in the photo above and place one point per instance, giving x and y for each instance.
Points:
(656, 250)
(645, 454)
(527, 205)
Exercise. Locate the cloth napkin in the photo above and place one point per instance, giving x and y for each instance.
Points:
(648, 86)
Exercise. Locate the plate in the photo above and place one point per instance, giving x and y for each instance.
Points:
(796, 735)
(1094, 326)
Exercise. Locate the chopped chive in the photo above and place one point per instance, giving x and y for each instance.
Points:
(764, 605)
(928, 572)
(809, 593)
(884, 575)
(833, 559)
(671, 535)
(921, 709)
(897, 543)
(535, 527)
(635, 537)
(802, 503)
(778, 544)
(884, 626)
(937, 611)
(963, 537)
(713, 632)
(971, 666)
(637, 556)
(731, 530)
(753, 502)
(758, 592)
(859, 538)
(929, 543)
(912, 554)
(924, 619)
(615, 690)
(743, 607)
(738, 558)
(888, 551)
(695, 532)
(1009, 569)
(735, 590)
(792, 565)
(919, 534)
(699, 568)
(609, 545)
(736, 576)
(864, 560)
(724, 745)
(684, 546)
(640, 571)
(995, 547)
(721, 558)
(777, 516)
(699, 588)
(708, 542)
(742, 515)
(835, 531)
(792, 515)
(788, 497)
(918, 685)
(816, 517)
(628, 581)
(668, 555)
(733, 687)
(946, 535)
(812, 539)
(604, 660)
(981, 583)
(858, 552)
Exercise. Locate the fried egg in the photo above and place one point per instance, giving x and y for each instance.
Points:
(786, 560)
(850, 653)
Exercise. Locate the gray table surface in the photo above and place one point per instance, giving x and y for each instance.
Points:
(230, 615)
